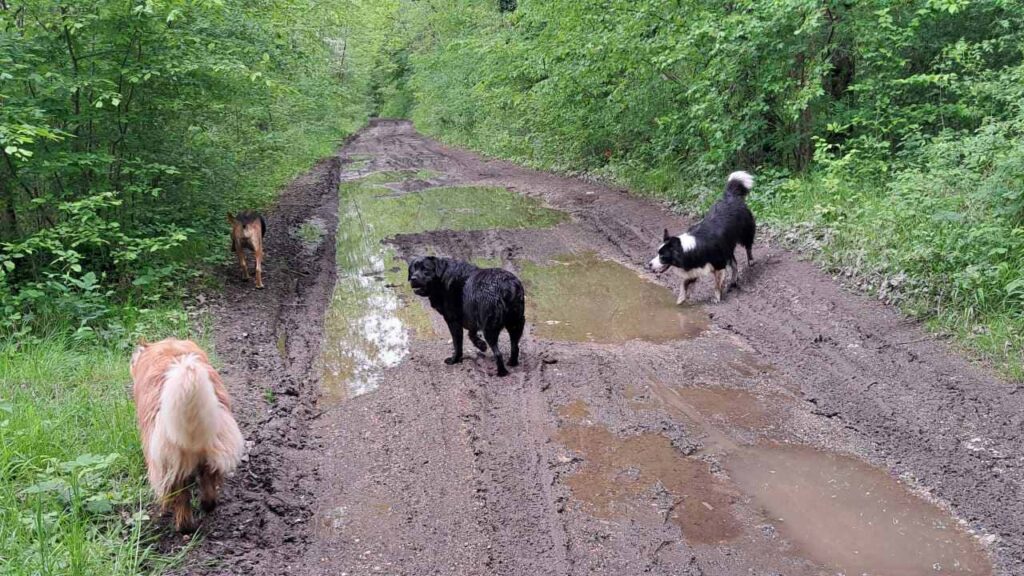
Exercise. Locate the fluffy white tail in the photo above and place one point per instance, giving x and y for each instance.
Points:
(189, 410)
(191, 427)
(739, 183)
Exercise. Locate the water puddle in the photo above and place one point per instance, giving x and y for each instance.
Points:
(851, 517)
(582, 298)
(618, 476)
(455, 208)
(373, 313)
(836, 510)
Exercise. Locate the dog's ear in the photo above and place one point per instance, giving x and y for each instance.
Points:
(231, 218)
(139, 349)
(666, 236)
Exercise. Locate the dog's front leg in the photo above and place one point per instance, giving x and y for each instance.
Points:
(456, 331)
(719, 284)
(684, 289)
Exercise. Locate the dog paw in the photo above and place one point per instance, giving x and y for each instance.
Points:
(513, 363)
(480, 345)
(452, 360)
(502, 373)
(187, 527)
(260, 287)
(207, 506)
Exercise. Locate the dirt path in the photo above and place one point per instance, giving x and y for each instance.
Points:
(793, 429)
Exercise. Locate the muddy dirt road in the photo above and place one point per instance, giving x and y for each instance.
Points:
(792, 429)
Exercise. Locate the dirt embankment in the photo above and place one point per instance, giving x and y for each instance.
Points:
(794, 428)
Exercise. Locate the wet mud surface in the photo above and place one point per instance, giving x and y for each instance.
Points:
(792, 429)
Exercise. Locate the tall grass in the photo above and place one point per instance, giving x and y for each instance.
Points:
(73, 494)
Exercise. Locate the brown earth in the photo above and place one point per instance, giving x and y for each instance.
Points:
(795, 428)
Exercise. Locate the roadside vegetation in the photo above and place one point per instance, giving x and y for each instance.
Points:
(127, 131)
(886, 136)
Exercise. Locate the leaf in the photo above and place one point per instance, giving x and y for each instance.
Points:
(99, 504)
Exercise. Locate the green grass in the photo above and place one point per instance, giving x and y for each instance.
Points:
(310, 233)
(939, 257)
(73, 494)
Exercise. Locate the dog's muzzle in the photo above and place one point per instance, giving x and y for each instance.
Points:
(656, 265)
(418, 288)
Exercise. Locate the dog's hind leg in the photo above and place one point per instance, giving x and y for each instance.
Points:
(181, 505)
(209, 488)
(515, 332)
(735, 273)
(750, 254)
(477, 341)
(240, 253)
(455, 328)
(259, 265)
(491, 335)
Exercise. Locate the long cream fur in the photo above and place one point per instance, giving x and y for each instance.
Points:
(184, 417)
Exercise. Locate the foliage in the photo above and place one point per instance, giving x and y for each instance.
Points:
(128, 129)
(887, 135)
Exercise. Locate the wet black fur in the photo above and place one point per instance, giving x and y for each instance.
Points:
(728, 223)
(474, 299)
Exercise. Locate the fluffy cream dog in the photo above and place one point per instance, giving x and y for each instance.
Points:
(188, 432)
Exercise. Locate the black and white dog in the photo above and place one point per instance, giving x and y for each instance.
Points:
(471, 298)
(707, 247)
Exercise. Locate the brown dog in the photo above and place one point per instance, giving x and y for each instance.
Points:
(247, 230)
(185, 421)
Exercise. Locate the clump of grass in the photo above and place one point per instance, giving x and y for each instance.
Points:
(269, 396)
(73, 493)
(311, 233)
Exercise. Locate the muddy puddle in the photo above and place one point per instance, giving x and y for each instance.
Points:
(836, 511)
(851, 517)
(583, 298)
(373, 314)
(620, 476)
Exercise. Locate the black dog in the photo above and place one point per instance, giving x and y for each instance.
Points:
(707, 248)
(474, 299)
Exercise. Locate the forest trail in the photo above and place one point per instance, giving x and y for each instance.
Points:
(793, 429)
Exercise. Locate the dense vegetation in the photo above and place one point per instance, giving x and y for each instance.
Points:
(886, 136)
(127, 130)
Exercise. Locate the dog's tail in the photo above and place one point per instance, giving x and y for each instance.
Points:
(739, 184)
(194, 421)
(189, 415)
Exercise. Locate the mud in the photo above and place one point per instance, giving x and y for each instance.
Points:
(266, 345)
(737, 438)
